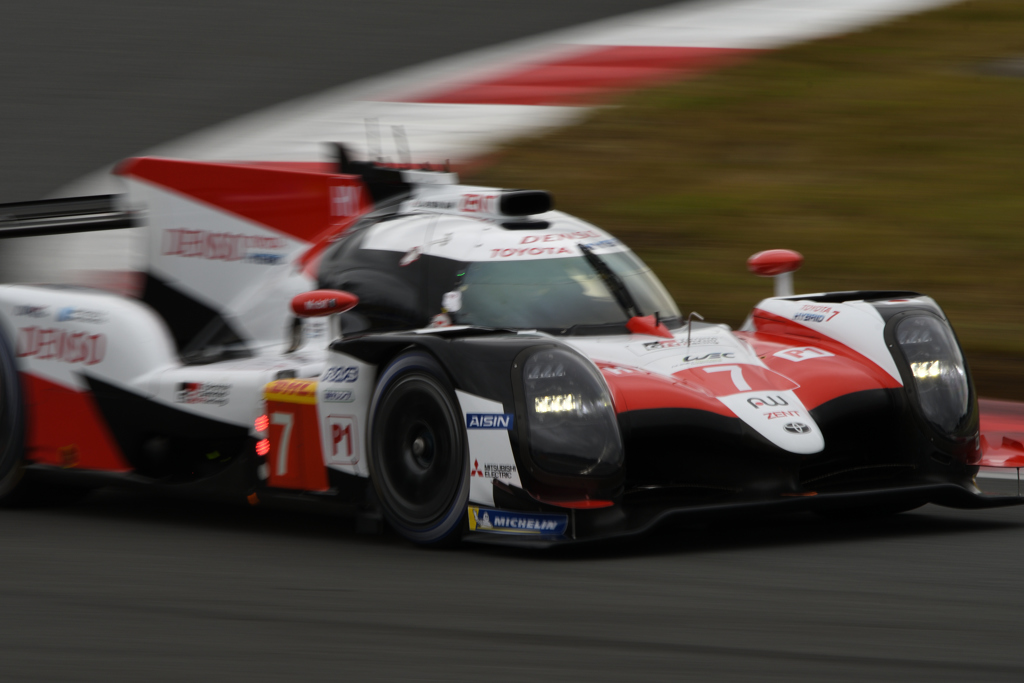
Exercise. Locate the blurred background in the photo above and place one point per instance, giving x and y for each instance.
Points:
(891, 157)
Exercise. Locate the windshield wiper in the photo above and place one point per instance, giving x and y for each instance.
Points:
(612, 281)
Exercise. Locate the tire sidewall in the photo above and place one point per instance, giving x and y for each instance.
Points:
(449, 525)
(12, 421)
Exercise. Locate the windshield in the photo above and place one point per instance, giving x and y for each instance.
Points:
(556, 293)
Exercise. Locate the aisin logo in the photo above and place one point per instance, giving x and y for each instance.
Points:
(796, 428)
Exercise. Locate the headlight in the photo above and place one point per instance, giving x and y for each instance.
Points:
(938, 370)
(571, 419)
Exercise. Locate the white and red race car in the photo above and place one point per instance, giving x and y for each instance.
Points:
(463, 362)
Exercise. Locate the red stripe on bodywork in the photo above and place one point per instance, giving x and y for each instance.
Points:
(66, 428)
(284, 197)
(635, 389)
(1002, 433)
(591, 75)
(820, 379)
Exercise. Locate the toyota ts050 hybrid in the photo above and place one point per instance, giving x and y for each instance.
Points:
(464, 362)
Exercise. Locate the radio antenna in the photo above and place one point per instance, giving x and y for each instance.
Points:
(689, 325)
(402, 144)
(373, 139)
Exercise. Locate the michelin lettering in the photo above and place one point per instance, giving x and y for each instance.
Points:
(525, 523)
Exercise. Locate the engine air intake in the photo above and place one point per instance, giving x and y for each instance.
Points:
(524, 202)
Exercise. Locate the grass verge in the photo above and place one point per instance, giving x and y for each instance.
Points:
(892, 158)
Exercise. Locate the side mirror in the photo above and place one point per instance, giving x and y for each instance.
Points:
(777, 263)
(322, 302)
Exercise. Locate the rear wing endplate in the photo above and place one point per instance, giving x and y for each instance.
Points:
(62, 216)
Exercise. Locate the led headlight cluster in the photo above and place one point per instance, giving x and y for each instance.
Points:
(572, 424)
(938, 370)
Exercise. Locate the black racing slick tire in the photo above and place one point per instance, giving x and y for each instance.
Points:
(418, 460)
(12, 426)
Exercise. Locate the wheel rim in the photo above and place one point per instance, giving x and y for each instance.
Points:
(419, 450)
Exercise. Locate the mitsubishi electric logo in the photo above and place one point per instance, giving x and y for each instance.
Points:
(796, 428)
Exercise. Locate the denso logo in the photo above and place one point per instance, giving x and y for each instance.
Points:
(489, 421)
(61, 345)
(769, 401)
(222, 246)
(559, 236)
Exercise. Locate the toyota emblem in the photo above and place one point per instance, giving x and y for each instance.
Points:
(796, 428)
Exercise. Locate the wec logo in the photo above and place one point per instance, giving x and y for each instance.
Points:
(489, 421)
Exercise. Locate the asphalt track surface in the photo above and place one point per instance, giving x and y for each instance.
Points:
(127, 587)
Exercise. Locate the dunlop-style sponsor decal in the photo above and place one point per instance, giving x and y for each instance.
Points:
(202, 392)
(519, 523)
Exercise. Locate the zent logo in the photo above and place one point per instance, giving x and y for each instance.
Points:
(341, 374)
(489, 421)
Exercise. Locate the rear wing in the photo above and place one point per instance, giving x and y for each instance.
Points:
(62, 216)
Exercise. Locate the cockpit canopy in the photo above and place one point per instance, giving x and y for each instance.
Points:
(415, 269)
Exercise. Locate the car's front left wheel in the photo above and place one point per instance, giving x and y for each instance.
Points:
(12, 427)
(418, 459)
